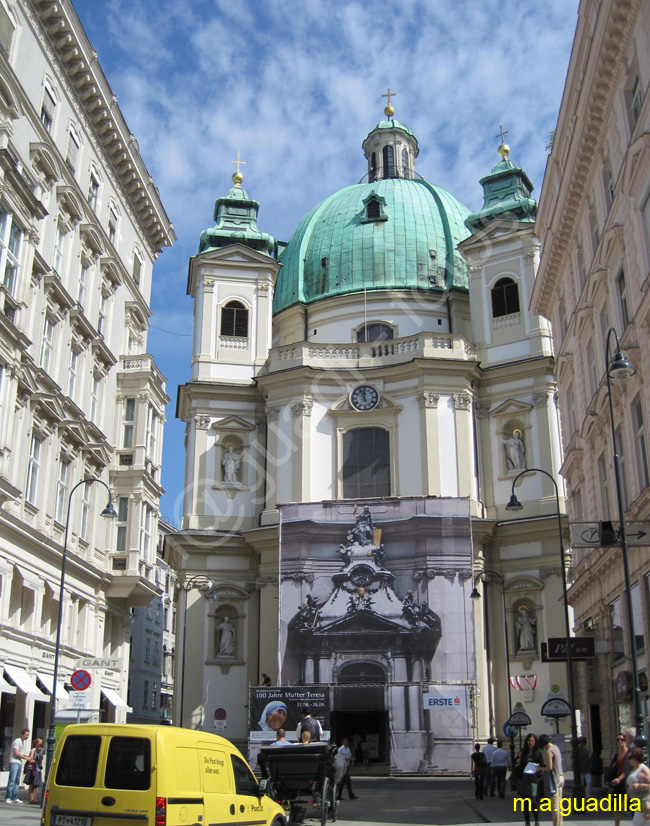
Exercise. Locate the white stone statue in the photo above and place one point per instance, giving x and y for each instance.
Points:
(230, 463)
(515, 452)
(227, 638)
(525, 631)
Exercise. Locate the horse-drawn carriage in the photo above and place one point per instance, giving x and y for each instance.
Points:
(301, 778)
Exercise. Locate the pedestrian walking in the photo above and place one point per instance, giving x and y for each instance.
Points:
(488, 750)
(19, 755)
(499, 767)
(528, 782)
(554, 776)
(638, 784)
(34, 769)
(345, 752)
(479, 764)
(584, 764)
(616, 775)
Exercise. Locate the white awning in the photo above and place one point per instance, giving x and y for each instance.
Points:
(114, 699)
(48, 682)
(4, 685)
(24, 682)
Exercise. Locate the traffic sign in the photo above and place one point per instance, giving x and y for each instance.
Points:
(220, 714)
(556, 707)
(519, 718)
(80, 680)
(510, 731)
(79, 699)
(586, 534)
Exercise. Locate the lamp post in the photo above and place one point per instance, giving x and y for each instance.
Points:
(485, 573)
(108, 512)
(515, 505)
(620, 368)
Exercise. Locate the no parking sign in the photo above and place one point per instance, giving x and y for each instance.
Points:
(80, 680)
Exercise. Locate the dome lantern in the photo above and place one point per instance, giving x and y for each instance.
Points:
(390, 148)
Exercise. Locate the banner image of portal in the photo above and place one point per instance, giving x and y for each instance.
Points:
(374, 601)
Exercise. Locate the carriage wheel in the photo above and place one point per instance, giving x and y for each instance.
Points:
(324, 802)
(333, 802)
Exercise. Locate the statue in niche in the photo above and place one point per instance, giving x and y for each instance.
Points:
(515, 451)
(230, 463)
(525, 626)
(227, 638)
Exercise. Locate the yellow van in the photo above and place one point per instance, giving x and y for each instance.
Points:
(105, 774)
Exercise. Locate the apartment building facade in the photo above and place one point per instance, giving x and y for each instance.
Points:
(594, 274)
(81, 224)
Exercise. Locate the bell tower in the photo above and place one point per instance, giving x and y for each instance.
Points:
(390, 148)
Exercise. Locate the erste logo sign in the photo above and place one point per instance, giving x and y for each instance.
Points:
(443, 701)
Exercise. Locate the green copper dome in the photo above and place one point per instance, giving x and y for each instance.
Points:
(391, 123)
(390, 234)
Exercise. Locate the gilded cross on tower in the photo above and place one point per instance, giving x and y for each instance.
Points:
(238, 176)
(504, 149)
(389, 111)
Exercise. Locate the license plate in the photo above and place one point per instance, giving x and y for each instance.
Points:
(71, 820)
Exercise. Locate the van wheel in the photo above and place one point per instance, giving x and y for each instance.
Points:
(278, 822)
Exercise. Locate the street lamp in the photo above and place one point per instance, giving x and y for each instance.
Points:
(515, 505)
(109, 513)
(485, 574)
(620, 368)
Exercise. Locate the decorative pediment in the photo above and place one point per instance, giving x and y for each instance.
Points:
(235, 254)
(27, 380)
(71, 210)
(98, 454)
(9, 96)
(527, 583)
(91, 241)
(637, 163)
(362, 622)
(232, 424)
(227, 592)
(111, 270)
(511, 407)
(48, 406)
(75, 431)
(44, 163)
(135, 315)
(59, 299)
(104, 359)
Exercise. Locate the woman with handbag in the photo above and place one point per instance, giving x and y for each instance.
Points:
(615, 777)
(528, 787)
(34, 770)
(638, 786)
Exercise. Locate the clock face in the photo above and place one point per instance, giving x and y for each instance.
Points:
(364, 397)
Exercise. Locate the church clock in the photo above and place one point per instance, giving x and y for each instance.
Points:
(364, 397)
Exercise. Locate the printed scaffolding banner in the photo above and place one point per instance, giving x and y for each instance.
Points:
(280, 707)
(449, 710)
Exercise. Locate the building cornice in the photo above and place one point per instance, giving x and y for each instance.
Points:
(583, 127)
(65, 38)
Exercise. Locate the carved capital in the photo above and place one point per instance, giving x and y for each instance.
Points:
(202, 422)
(263, 288)
(462, 401)
(272, 412)
(540, 399)
(208, 285)
(432, 573)
(428, 399)
(302, 408)
(482, 410)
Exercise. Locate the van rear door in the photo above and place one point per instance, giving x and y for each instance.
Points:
(73, 788)
(126, 790)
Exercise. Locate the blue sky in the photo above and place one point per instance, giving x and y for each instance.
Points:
(295, 86)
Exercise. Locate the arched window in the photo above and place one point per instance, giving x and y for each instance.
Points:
(373, 210)
(389, 162)
(505, 298)
(366, 463)
(356, 673)
(375, 332)
(406, 170)
(373, 167)
(234, 320)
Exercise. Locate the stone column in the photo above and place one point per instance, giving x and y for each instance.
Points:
(428, 401)
(464, 442)
(301, 465)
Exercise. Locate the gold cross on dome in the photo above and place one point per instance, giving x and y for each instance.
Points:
(502, 133)
(389, 94)
(238, 162)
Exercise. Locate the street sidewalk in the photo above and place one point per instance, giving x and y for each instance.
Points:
(14, 813)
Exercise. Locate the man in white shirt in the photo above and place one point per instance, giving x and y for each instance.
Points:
(499, 766)
(345, 753)
(488, 782)
(19, 753)
(310, 724)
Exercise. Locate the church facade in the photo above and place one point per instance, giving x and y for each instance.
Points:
(361, 400)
